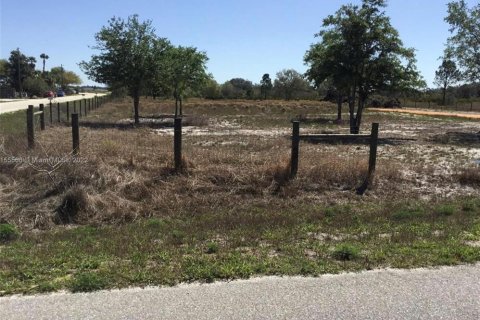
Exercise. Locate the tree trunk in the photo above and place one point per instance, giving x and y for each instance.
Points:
(444, 95)
(136, 104)
(339, 106)
(351, 110)
(181, 107)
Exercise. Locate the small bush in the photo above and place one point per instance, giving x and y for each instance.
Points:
(346, 252)
(74, 202)
(88, 281)
(280, 173)
(8, 232)
(445, 210)
(212, 247)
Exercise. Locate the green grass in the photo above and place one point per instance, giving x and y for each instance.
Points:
(300, 240)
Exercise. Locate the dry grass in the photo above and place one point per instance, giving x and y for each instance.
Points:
(124, 174)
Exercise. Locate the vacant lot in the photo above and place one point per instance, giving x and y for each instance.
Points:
(119, 215)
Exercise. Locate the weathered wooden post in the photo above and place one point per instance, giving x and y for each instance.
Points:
(30, 128)
(372, 160)
(42, 116)
(75, 134)
(51, 113)
(68, 112)
(295, 144)
(58, 112)
(177, 144)
(85, 106)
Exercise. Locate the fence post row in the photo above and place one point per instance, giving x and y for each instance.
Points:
(58, 112)
(177, 144)
(295, 145)
(75, 134)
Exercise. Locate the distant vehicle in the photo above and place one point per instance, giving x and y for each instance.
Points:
(60, 93)
(49, 94)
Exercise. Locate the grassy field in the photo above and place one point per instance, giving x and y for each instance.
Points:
(118, 215)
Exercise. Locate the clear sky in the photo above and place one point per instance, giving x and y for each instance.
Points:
(241, 38)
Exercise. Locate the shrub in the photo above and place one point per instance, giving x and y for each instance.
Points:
(8, 232)
(345, 252)
(88, 281)
(212, 247)
(74, 202)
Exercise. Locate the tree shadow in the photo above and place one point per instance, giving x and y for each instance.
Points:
(457, 138)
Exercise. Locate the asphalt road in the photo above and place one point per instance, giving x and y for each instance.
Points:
(445, 293)
(23, 104)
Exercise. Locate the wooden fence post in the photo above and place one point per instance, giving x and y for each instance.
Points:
(74, 106)
(85, 106)
(75, 134)
(58, 112)
(30, 128)
(177, 144)
(372, 160)
(51, 113)
(42, 117)
(295, 144)
(68, 112)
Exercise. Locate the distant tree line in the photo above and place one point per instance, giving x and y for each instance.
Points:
(19, 74)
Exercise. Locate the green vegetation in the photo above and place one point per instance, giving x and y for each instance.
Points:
(8, 232)
(306, 240)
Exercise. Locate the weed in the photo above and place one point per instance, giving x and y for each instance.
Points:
(74, 202)
(87, 281)
(345, 252)
(212, 247)
(445, 210)
(8, 232)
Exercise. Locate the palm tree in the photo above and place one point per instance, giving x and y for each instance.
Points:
(44, 57)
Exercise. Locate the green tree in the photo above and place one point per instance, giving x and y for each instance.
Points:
(446, 75)
(35, 86)
(130, 56)
(361, 53)
(20, 67)
(63, 77)
(44, 57)
(265, 85)
(464, 43)
(3, 72)
(211, 89)
(289, 82)
(185, 70)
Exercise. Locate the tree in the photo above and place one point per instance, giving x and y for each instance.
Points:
(20, 67)
(464, 44)
(130, 56)
(63, 77)
(265, 85)
(35, 86)
(3, 72)
(211, 89)
(446, 75)
(289, 82)
(185, 70)
(44, 57)
(361, 53)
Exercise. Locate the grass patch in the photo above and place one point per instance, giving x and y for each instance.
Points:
(254, 240)
(8, 232)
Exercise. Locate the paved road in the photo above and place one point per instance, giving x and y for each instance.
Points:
(445, 293)
(23, 104)
(465, 115)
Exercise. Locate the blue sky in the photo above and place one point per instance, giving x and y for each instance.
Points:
(242, 38)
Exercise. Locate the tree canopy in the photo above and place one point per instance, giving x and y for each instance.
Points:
(446, 75)
(20, 67)
(361, 53)
(464, 44)
(289, 82)
(265, 85)
(130, 56)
